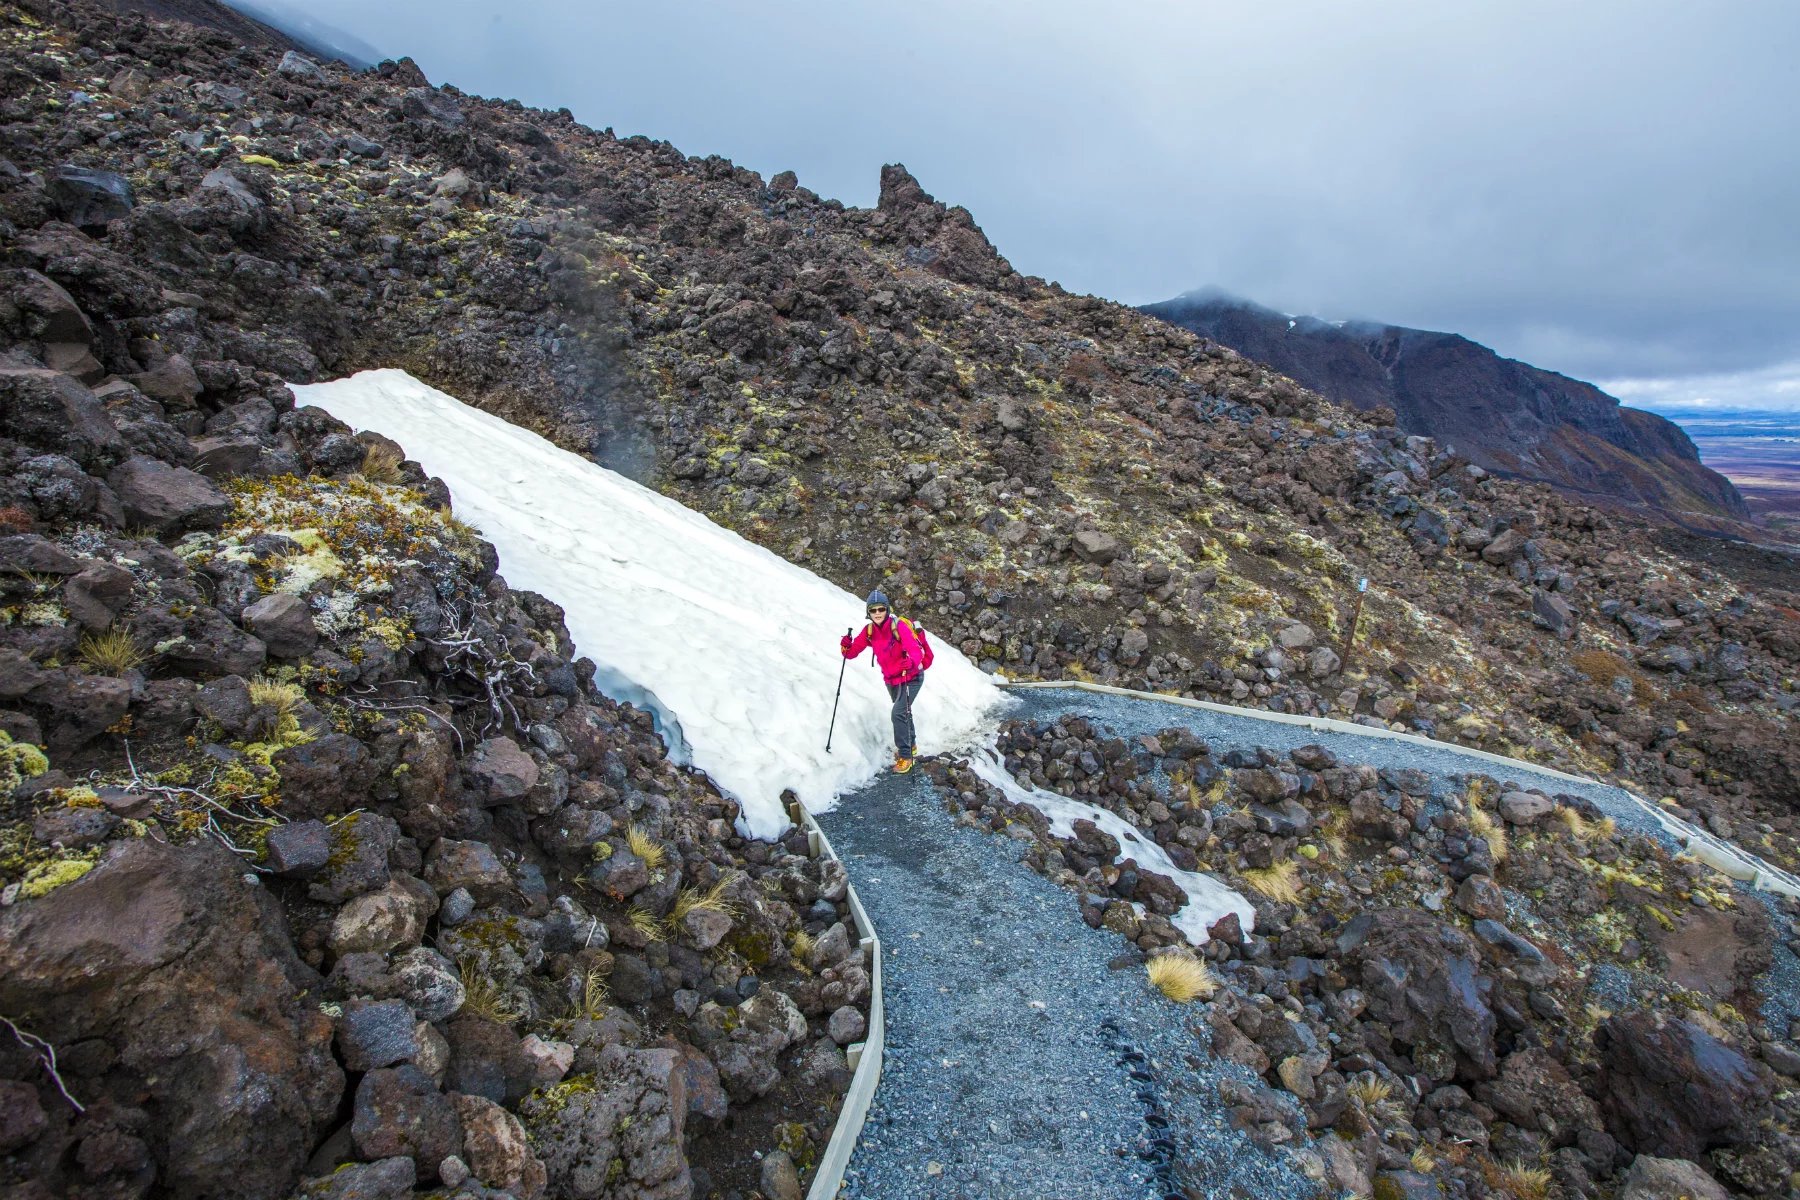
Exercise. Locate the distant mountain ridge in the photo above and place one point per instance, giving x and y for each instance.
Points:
(1507, 416)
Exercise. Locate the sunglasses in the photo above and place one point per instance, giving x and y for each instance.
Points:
(877, 609)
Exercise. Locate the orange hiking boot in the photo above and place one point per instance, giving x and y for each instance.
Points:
(902, 764)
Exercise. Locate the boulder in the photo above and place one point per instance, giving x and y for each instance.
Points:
(400, 1113)
(88, 199)
(1554, 612)
(184, 976)
(470, 865)
(97, 594)
(284, 624)
(296, 65)
(499, 771)
(847, 1025)
(1096, 546)
(22, 1119)
(488, 1059)
(496, 1150)
(780, 1178)
(1524, 808)
(172, 383)
(744, 1042)
(1535, 1091)
(1505, 548)
(1668, 1179)
(51, 411)
(1669, 1087)
(1423, 980)
(428, 982)
(298, 849)
(626, 1120)
(165, 498)
(385, 1179)
(383, 920)
(373, 1034)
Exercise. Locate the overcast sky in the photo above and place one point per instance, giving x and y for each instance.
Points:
(1608, 188)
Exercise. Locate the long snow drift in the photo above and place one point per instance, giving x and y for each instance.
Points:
(1208, 900)
(732, 647)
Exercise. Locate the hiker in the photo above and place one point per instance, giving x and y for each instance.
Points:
(903, 658)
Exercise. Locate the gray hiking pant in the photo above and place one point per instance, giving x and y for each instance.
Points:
(902, 694)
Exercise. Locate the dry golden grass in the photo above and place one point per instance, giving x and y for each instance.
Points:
(653, 852)
(284, 698)
(483, 997)
(111, 653)
(801, 945)
(1280, 883)
(381, 464)
(1519, 1180)
(594, 995)
(1484, 825)
(689, 900)
(642, 920)
(1422, 1161)
(1370, 1091)
(1180, 978)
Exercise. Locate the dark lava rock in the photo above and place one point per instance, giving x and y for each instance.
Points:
(1670, 1088)
(166, 956)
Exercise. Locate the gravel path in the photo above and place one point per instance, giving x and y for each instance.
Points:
(1018, 1064)
(1021, 1064)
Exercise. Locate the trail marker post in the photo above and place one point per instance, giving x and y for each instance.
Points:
(1362, 589)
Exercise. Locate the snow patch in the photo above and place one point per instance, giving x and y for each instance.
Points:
(1208, 899)
(732, 647)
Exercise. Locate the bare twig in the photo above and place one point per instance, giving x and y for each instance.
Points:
(47, 1057)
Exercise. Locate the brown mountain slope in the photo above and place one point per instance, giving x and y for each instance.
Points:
(1508, 416)
(1055, 483)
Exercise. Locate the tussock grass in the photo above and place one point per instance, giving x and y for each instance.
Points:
(1484, 825)
(1521, 1181)
(284, 698)
(712, 899)
(1422, 1160)
(1369, 1091)
(381, 464)
(1180, 978)
(653, 852)
(483, 997)
(1280, 883)
(801, 946)
(645, 923)
(591, 1004)
(1583, 830)
(113, 652)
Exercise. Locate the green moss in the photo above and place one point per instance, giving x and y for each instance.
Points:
(754, 946)
(19, 761)
(543, 1105)
(45, 878)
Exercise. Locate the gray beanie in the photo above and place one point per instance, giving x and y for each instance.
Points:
(876, 597)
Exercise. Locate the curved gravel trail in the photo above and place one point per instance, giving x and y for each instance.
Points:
(1020, 1062)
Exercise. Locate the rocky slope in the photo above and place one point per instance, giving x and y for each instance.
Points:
(1457, 988)
(1058, 484)
(1510, 417)
(402, 754)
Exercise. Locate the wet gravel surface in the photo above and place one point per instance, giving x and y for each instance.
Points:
(1018, 1063)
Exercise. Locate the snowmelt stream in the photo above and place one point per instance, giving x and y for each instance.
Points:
(731, 646)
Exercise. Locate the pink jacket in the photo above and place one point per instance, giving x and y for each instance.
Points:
(896, 649)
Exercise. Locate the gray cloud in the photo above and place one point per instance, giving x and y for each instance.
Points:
(1607, 189)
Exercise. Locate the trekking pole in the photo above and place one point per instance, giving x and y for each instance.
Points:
(834, 699)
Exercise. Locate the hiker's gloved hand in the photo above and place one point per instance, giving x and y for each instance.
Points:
(845, 643)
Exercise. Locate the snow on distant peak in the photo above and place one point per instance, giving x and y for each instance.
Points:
(732, 647)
